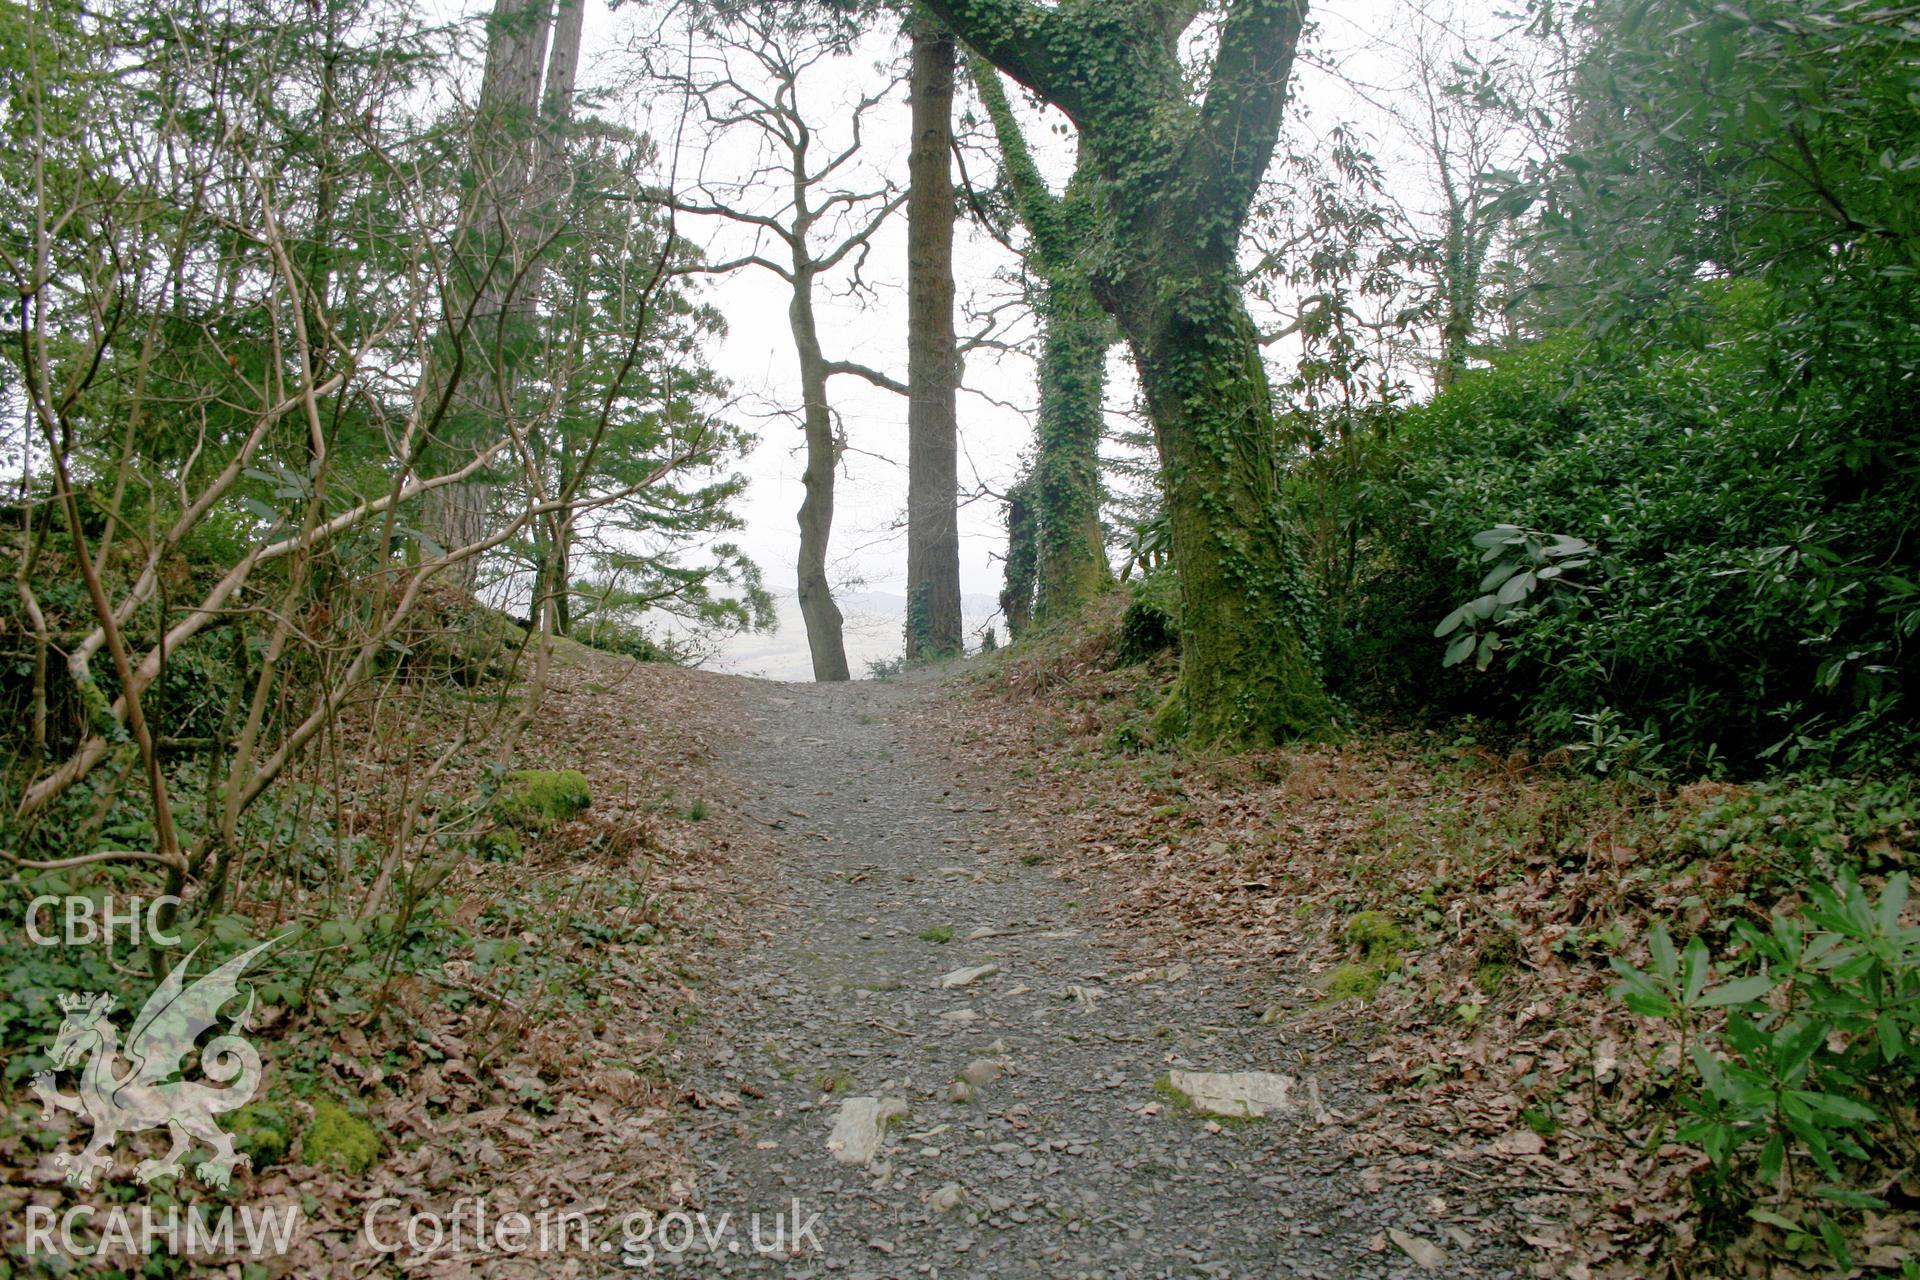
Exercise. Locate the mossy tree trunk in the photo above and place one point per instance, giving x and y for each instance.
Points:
(1174, 183)
(1063, 499)
(1070, 549)
(1246, 677)
(1016, 597)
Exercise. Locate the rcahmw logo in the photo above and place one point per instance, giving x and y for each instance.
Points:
(147, 1096)
(137, 1230)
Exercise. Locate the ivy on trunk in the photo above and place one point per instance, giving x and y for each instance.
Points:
(1175, 178)
(1068, 548)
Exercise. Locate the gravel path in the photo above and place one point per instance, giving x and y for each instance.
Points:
(1068, 1160)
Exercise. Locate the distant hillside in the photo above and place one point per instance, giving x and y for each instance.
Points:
(876, 621)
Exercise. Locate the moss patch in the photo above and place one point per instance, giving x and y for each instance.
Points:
(1381, 943)
(339, 1138)
(939, 933)
(1354, 982)
(261, 1132)
(501, 846)
(1375, 935)
(1494, 961)
(535, 799)
(1173, 1097)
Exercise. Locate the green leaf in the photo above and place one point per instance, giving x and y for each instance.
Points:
(1840, 1108)
(1849, 1197)
(1660, 943)
(1500, 574)
(1836, 1243)
(1697, 968)
(1892, 1043)
(1648, 1005)
(1892, 902)
(1459, 649)
(1516, 589)
(1772, 1157)
(1793, 1045)
(1772, 1219)
(1710, 1070)
(1738, 991)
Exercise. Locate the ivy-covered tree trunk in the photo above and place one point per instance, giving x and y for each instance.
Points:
(933, 367)
(1070, 549)
(1016, 597)
(1246, 676)
(825, 639)
(1062, 501)
(1174, 183)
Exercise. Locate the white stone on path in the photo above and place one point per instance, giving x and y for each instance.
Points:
(1239, 1094)
(947, 1198)
(861, 1126)
(1429, 1256)
(983, 1071)
(968, 976)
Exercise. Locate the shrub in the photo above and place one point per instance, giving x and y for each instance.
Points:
(613, 636)
(887, 668)
(1151, 623)
(1818, 1060)
(1752, 586)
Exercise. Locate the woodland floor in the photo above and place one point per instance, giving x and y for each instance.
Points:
(1072, 1162)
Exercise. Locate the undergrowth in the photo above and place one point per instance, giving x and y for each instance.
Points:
(1696, 1002)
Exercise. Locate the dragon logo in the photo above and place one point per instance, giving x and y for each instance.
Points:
(146, 1096)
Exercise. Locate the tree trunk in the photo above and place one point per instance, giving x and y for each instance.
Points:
(1176, 181)
(503, 157)
(549, 183)
(1245, 673)
(817, 609)
(1064, 495)
(1016, 597)
(933, 474)
(1070, 546)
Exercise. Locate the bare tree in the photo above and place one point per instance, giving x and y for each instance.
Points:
(807, 218)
